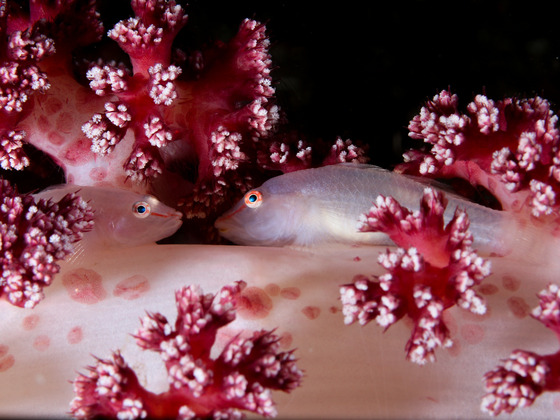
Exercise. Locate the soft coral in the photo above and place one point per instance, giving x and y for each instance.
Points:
(524, 375)
(34, 236)
(241, 377)
(437, 270)
(510, 147)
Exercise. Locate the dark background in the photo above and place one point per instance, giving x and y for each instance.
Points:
(362, 70)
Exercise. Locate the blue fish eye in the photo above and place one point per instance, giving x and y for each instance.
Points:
(253, 199)
(141, 209)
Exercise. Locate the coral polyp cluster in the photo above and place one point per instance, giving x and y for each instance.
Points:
(239, 379)
(35, 235)
(510, 147)
(525, 375)
(203, 123)
(433, 268)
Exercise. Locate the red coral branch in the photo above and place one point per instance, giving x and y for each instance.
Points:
(510, 147)
(524, 375)
(19, 79)
(206, 124)
(27, 56)
(147, 38)
(240, 378)
(437, 270)
(34, 236)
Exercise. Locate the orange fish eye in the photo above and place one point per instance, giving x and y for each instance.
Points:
(141, 209)
(253, 199)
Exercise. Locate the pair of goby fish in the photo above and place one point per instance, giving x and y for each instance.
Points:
(304, 208)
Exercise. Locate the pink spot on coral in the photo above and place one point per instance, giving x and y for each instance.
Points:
(55, 138)
(432, 399)
(272, 289)
(334, 310)
(518, 307)
(357, 259)
(311, 312)
(97, 174)
(285, 340)
(52, 105)
(42, 342)
(488, 289)
(472, 333)
(556, 403)
(6, 360)
(30, 322)
(511, 283)
(290, 293)
(254, 303)
(132, 287)
(75, 335)
(43, 123)
(84, 286)
(79, 152)
(64, 121)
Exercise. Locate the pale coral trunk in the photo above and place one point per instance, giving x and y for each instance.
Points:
(350, 371)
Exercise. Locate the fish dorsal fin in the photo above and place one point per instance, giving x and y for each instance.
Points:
(428, 182)
(364, 166)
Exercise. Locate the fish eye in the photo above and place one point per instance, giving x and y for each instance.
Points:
(141, 209)
(253, 199)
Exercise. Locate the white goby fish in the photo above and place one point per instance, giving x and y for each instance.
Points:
(323, 205)
(121, 217)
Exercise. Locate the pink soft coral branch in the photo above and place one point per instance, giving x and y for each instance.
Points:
(34, 237)
(239, 378)
(524, 375)
(147, 38)
(509, 147)
(437, 270)
(168, 122)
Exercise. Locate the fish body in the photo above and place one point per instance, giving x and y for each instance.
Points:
(323, 205)
(121, 217)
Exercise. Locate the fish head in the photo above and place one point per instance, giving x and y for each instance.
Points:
(121, 217)
(261, 217)
(128, 218)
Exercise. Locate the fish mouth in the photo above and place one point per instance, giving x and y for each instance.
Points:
(219, 223)
(174, 220)
(171, 215)
(223, 225)
(176, 215)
